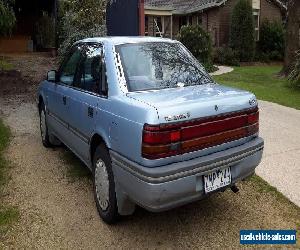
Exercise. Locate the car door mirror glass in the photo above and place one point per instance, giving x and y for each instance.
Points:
(52, 76)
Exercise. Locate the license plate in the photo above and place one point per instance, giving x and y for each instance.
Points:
(217, 179)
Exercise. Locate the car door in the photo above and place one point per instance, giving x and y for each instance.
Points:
(58, 95)
(84, 99)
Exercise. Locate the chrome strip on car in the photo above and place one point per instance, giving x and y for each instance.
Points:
(196, 169)
(57, 118)
(74, 130)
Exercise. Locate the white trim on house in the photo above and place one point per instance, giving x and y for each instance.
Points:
(157, 12)
(256, 12)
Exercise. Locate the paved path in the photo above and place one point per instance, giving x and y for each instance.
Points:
(222, 70)
(280, 128)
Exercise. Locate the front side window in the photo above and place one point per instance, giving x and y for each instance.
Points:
(160, 65)
(89, 73)
(69, 68)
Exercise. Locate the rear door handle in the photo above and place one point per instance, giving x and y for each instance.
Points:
(64, 100)
(90, 112)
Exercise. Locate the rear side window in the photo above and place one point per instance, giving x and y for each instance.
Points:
(89, 77)
(68, 69)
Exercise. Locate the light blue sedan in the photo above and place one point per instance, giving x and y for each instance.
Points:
(149, 122)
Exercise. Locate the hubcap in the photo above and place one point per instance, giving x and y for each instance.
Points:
(43, 125)
(102, 184)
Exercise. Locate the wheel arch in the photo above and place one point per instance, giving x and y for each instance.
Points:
(41, 101)
(96, 140)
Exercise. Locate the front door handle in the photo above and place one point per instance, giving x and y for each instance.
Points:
(64, 100)
(90, 112)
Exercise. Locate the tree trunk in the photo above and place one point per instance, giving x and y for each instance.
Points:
(292, 35)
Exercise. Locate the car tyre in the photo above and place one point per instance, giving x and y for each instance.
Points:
(104, 186)
(44, 128)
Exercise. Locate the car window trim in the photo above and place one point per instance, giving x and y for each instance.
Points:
(84, 91)
(83, 59)
(68, 56)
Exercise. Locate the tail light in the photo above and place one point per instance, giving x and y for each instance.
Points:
(177, 138)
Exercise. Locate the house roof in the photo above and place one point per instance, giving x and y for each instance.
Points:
(191, 6)
(182, 7)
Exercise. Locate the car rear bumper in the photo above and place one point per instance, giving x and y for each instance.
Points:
(162, 188)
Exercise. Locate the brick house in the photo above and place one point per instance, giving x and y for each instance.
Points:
(165, 18)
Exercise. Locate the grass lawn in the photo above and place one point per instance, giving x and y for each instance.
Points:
(76, 169)
(5, 65)
(7, 214)
(264, 83)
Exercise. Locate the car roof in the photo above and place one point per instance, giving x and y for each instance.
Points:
(117, 40)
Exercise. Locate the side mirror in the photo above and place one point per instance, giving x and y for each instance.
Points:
(104, 87)
(52, 76)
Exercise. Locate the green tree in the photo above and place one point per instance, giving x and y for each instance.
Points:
(242, 38)
(198, 42)
(7, 17)
(83, 18)
(271, 39)
(292, 36)
(294, 76)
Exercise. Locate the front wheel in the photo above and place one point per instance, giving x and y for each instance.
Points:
(104, 186)
(44, 128)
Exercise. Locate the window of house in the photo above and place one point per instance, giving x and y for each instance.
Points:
(182, 21)
(146, 26)
(256, 23)
(199, 19)
(215, 37)
(159, 26)
(190, 20)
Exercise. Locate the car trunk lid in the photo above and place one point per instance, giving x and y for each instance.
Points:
(195, 118)
(194, 102)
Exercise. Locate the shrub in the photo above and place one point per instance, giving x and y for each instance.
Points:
(83, 18)
(4, 65)
(7, 17)
(271, 39)
(294, 76)
(262, 57)
(199, 43)
(45, 34)
(242, 37)
(226, 56)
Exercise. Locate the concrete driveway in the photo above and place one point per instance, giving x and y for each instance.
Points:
(280, 128)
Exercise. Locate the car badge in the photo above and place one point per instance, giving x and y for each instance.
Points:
(252, 102)
(171, 118)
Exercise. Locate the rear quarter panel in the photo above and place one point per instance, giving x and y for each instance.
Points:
(120, 122)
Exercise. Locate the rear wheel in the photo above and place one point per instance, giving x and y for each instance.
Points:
(44, 127)
(104, 186)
